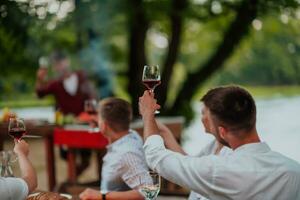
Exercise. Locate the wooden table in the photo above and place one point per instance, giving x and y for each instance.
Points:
(45, 130)
(52, 134)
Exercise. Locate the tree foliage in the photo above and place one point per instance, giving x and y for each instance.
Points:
(190, 39)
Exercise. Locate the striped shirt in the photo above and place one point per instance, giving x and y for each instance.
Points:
(123, 164)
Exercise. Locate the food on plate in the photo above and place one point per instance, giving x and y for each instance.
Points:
(47, 196)
(6, 114)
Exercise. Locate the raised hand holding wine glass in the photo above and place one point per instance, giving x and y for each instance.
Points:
(151, 78)
(16, 128)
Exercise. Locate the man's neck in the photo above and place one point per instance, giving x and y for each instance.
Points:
(252, 137)
(117, 135)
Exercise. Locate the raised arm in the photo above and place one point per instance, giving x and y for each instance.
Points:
(169, 139)
(190, 172)
(43, 87)
(147, 107)
(28, 173)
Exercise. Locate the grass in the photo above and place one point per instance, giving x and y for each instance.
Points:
(274, 91)
(26, 100)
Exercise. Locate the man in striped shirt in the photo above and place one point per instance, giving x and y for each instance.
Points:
(124, 163)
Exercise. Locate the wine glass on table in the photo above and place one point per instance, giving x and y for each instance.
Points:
(149, 185)
(151, 78)
(90, 107)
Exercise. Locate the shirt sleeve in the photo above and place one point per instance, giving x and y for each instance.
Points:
(190, 172)
(133, 167)
(17, 188)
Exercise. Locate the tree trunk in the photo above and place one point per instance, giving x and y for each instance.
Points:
(246, 13)
(174, 44)
(138, 26)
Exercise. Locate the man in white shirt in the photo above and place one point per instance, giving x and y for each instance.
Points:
(124, 164)
(212, 148)
(19, 188)
(251, 171)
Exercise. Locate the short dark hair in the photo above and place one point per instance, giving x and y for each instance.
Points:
(232, 107)
(116, 112)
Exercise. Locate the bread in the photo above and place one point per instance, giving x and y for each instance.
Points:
(47, 196)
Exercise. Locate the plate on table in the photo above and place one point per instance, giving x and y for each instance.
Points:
(42, 194)
(33, 194)
(68, 196)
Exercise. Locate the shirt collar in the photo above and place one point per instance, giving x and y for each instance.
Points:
(119, 141)
(259, 147)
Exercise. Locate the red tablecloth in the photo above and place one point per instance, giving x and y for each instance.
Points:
(79, 138)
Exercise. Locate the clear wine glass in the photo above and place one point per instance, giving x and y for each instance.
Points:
(151, 78)
(90, 107)
(149, 185)
(16, 128)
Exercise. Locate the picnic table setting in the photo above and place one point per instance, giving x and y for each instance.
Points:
(74, 133)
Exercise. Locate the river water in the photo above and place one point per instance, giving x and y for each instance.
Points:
(278, 124)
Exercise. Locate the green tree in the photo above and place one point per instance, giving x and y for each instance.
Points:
(190, 40)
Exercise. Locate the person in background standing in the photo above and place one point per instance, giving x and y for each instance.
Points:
(70, 90)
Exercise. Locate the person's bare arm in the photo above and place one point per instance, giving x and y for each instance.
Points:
(90, 194)
(28, 173)
(147, 107)
(128, 195)
(41, 77)
(169, 138)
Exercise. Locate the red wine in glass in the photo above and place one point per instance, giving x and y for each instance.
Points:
(16, 128)
(151, 78)
(151, 84)
(17, 133)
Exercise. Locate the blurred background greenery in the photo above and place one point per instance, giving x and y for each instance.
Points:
(197, 43)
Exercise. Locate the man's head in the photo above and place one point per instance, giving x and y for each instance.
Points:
(231, 110)
(114, 115)
(60, 62)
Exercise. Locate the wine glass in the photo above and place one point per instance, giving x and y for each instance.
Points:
(16, 128)
(149, 185)
(151, 78)
(90, 107)
(7, 158)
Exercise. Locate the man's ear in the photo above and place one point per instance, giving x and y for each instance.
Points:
(222, 132)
